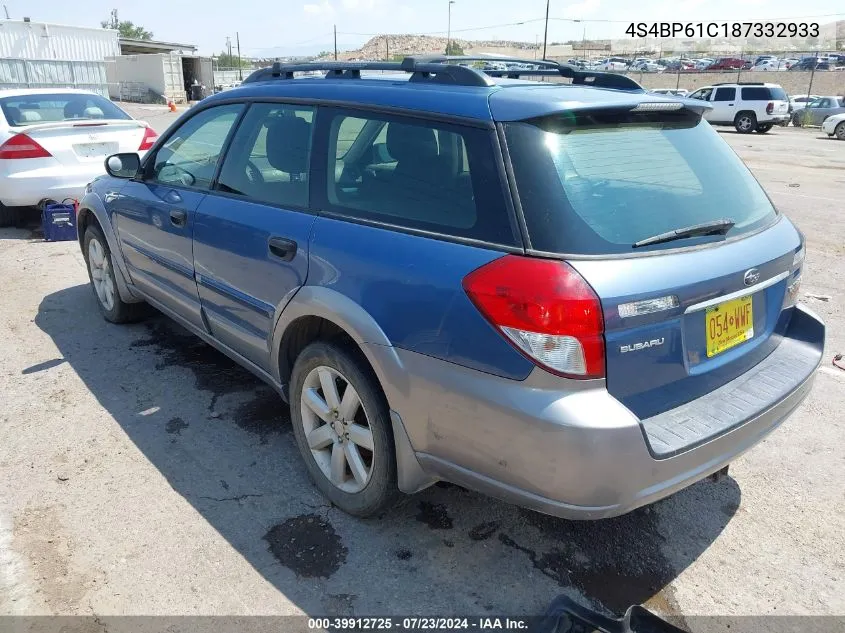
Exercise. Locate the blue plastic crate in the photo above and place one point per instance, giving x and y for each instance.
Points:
(59, 222)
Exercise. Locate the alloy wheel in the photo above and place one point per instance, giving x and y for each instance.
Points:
(101, 274)
(337, 429)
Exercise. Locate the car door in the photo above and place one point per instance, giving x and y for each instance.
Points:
(154, 213)
(724, 105)
(251, 233)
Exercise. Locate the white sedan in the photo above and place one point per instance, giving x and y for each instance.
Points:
(835, 126)
(53, 142)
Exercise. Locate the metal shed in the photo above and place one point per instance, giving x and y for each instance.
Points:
(42, 55)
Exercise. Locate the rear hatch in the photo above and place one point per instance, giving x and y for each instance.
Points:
(684, 312)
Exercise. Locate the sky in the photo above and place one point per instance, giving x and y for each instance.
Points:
(298, 27)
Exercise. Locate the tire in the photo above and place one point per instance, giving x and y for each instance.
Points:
(839, 131)
(95, 248)
(796, 120)
(374, 489)
(745, 122)
(9, 216)
(762, 128)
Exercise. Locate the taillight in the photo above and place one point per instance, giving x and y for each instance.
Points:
(22, 146)
(150, 137)
(546, 309)
(770, 107)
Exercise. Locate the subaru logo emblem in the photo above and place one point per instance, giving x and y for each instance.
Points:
(751, 277)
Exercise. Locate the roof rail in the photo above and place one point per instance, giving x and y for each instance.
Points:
(548, 69)
(421, 71)
(740, 83)
(441, 69)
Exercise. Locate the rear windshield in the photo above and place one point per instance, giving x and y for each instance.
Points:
(764, 94)
(596, 183)
(51, 108)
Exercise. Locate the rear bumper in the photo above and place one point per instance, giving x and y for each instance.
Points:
(775, 118)
(28, 188)
(580, 454)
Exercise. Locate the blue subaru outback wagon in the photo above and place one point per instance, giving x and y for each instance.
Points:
(570, 296)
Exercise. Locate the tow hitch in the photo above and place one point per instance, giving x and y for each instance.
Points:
(567, 616)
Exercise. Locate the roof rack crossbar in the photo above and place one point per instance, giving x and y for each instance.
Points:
(440, 69)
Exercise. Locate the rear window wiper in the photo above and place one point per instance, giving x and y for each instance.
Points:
(717, 227)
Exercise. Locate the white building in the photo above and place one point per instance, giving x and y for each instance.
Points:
(43, 55)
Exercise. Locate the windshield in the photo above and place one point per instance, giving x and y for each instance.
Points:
(33, 109)
(596, 183)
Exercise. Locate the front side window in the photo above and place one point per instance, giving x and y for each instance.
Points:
(416, 174)
(189, 156)
(597, 183)
(269, 155)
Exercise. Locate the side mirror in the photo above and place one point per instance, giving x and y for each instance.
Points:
(124, 165)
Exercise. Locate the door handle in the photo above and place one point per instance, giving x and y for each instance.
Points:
(178, 217)
(730, 104)
(282, 248)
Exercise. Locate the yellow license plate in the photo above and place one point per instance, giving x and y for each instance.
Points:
(728, 324)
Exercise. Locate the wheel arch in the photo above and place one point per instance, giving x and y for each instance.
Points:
(318, 313)
(92, 212)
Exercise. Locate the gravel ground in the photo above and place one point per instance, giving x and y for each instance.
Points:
(141, 472)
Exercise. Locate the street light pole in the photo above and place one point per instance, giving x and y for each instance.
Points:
(546, 33)
(449, 28)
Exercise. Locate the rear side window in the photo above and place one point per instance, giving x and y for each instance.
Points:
(52, 108)
(416, 174)
(596, 183)
(725, 94)
(269, 155)
(764, 94)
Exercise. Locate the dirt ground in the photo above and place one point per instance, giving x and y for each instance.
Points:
(141, 472)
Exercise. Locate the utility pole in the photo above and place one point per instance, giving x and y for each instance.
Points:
(229, 47)
(240, 67)
(449, 28)
(536, 44)
(335, 42)
(546, 33)
(386, 49)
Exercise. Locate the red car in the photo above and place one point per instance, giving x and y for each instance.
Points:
(729, 63)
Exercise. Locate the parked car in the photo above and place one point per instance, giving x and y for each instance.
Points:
(748, 106)
(810, 63)
(772, 64)
(817, 111)
(798, 103)
(729, 63)
(672, 92)
(363, 255)
(647, 66)
(53, 143)
(703, 63)
(613, 63)
(835, 126)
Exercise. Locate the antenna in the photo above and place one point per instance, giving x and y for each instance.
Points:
(7, 12)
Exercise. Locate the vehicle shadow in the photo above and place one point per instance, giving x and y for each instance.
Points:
(222, 439)
(29, 231)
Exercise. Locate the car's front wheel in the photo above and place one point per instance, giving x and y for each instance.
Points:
(745, 122)
(101, 272)
(796, 120)
(342, 426)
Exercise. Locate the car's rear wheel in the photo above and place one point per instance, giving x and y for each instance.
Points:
(745, 122)
(9, 216)
(101, 272)
(342, 427)
(839, 131)
(764, 127)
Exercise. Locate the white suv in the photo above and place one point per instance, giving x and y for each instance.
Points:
(747, 106)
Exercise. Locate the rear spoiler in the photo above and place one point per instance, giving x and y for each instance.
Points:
(82, 123)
